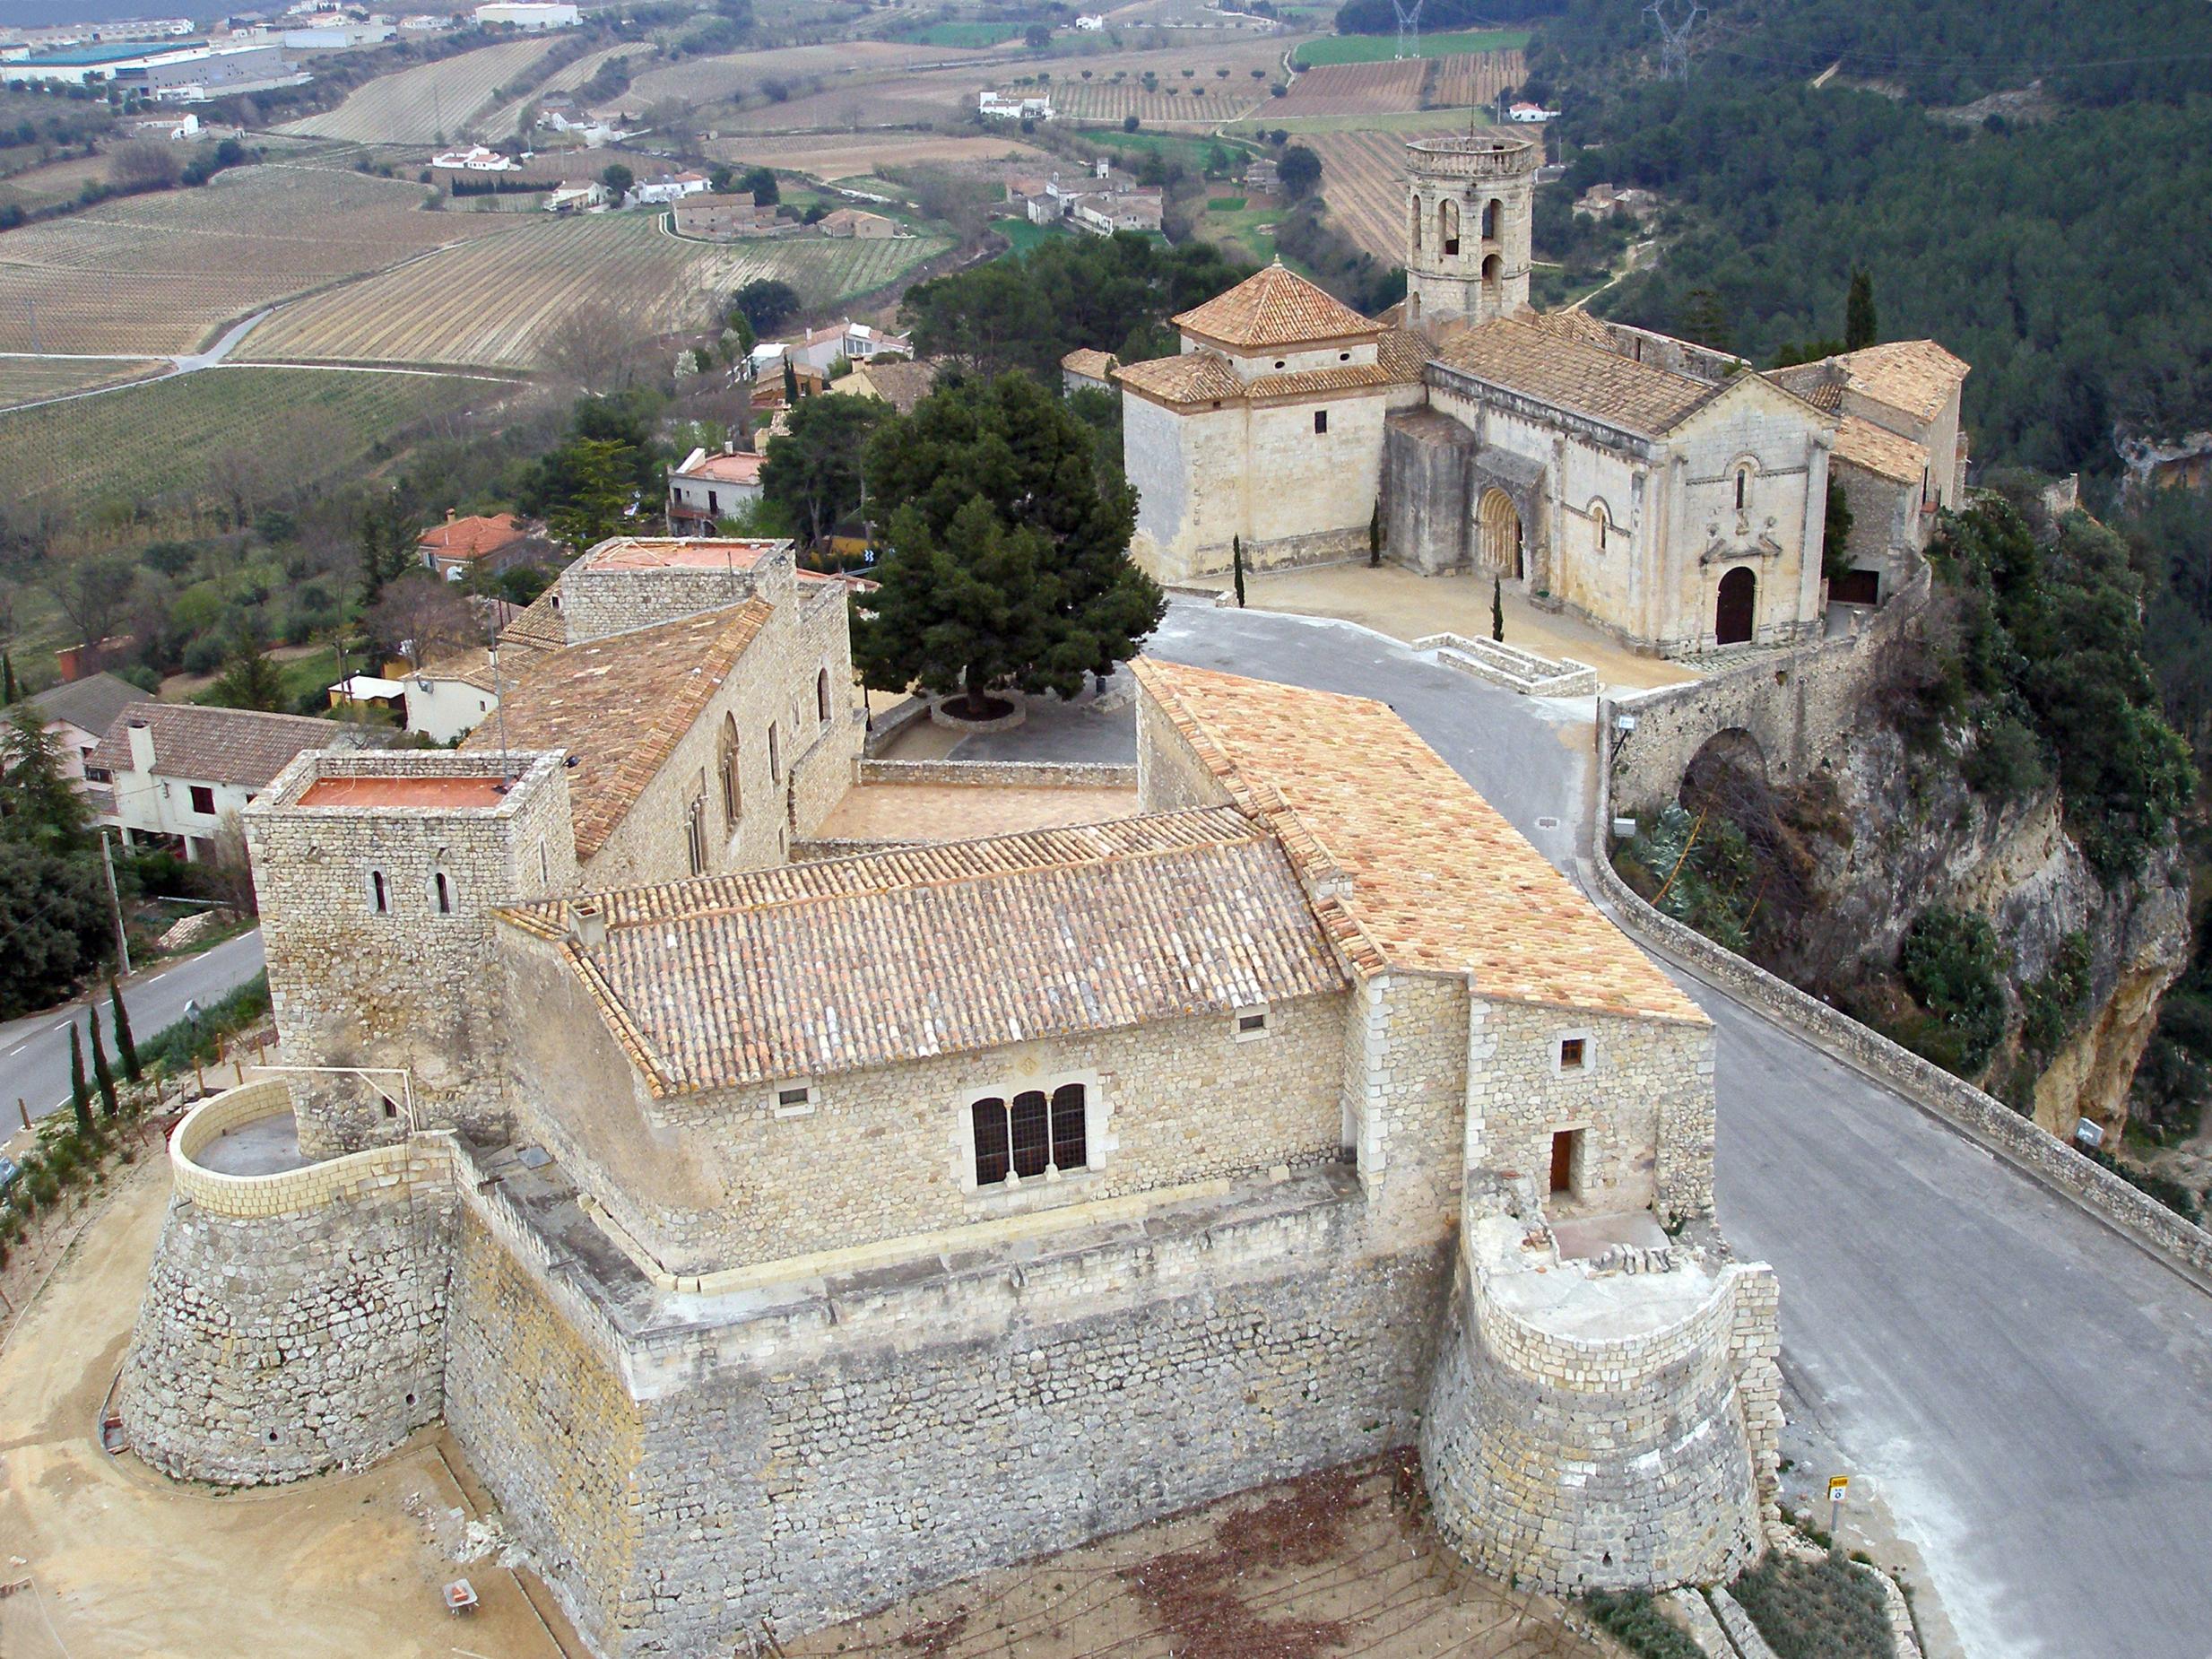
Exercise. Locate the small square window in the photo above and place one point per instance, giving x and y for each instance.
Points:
(1248, 1024)
(1252, 1022)
(203, 800)
(1571, 1053)
(794, 1101)
(1320, 420)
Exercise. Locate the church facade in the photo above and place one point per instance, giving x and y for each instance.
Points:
(1667, 492)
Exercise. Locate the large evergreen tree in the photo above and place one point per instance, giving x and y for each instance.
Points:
(814, 468)
(1860, 329)
(1008, 563)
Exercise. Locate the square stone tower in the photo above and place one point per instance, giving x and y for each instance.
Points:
(1469, 204)
(376, 874)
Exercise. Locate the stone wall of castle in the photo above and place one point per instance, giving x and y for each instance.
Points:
(597, 602)
(1575, 1463)
(410, 986)
(290, 1323)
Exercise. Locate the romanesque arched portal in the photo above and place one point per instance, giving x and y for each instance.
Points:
(1734, 617)
(1500, 525)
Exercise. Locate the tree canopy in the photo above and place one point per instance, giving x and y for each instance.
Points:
(814, 469)
(1007, 559)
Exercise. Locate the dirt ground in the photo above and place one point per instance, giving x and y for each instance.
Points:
(1406, 606)
(102, 1556)
(1332, 1564)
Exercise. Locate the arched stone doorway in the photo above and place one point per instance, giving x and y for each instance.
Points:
(1734, 618)
(1500, 524)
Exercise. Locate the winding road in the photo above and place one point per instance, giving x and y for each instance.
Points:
(2024, 1389)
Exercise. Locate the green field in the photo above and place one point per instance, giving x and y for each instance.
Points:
(174, 440)
(1023, 236)
(963, 34)
(1380, 48)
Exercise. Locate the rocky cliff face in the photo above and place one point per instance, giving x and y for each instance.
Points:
(1900, 832)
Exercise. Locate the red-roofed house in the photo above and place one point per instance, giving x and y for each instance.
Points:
(491, 541)
(708, 487)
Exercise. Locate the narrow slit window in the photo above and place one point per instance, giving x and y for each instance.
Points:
(1743, 477)
(821, 696)
(1071, 1149)
(380, 895)
(1320, 420)
(1032, 1133)
(442, 890)
(988, 1115)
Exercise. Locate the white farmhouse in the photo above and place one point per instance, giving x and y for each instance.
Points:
(529, 14)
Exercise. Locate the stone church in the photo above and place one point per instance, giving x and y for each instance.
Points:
(1669, 493)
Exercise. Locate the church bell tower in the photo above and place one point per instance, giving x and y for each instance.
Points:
(1469, 204)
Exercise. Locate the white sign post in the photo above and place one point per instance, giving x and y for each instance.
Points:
(1838, 1485)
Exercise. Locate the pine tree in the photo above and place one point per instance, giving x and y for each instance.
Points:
(1860, 326)
(123, 1044)
(1497, 609)
(1374, 537)
(103, 1074)
(1236, 567)
(80, 1095)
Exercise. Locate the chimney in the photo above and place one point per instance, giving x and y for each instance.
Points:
(450, 513)
(588, 923)
(141, 736)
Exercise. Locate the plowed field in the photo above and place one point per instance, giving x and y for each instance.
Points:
(1466, 78)
(1363, 180)
(1357, 88)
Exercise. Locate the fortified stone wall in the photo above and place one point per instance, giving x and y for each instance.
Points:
(1577, 1464)
(290, 1323)
(600, 602)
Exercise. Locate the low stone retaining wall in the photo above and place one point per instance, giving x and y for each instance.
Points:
(1989, 1120)
(1516, 670)
(1002, 774)
(884, 730)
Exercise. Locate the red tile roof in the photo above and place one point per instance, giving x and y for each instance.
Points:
(1274, 307)
(474, 537)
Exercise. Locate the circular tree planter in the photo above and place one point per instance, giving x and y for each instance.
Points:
(1004, 712)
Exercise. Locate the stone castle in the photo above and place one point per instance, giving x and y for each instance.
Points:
(782, 1237)
(1669, 493)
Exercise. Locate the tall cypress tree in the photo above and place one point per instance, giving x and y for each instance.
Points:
(79, 1096)
(1236, 567)
(7, 678)
(1860, 326)
(124, 1047)
(1374, 537)
(103, 1073)
(1497, 609)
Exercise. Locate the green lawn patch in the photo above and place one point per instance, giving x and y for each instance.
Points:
(1022, 236)
(1377, 49)
(963, 34)
(1226, 204)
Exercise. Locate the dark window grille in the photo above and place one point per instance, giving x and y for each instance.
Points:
(1032, 1133)
(1070, 1150)
(992, 1159)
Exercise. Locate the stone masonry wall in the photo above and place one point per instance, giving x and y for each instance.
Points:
(293, 1325)
(1577, 1464)
(597, 603)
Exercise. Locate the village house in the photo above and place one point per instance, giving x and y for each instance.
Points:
(475, 158)
(856, 343)
(997, 106)
(585, 197)
(709, 486)
(177, 770)
(902, 385)
(1086, 371)
(666, 187)
(857, 223)
(488, 542)
(76, 714)
(724, 218)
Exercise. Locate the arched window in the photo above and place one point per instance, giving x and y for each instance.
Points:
(821, 696)
(1071, 1149)
(1743, 484)
(1030, 1124)
(1493, 271)
(1599, 520)
(380, 894)
(1415, 215)
(1490, 214)
(694, 834)
(988, 1115)
(1448, 225)
(441, 893)
(776, 756)
(732, 792)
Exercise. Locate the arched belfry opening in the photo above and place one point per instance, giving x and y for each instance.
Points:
(1491, 209)
(1448, 225)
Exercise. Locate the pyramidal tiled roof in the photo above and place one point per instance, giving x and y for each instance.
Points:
(1274, 307)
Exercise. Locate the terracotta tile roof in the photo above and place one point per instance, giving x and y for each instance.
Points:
(1522, 356)
(618, 705)
(1402, 352)
(1273, 308)
(1083, 361)
(1871, 448)
(1187, 377)
(737, 467)
(1819, 384)
(472, 669)
(853, 963)
(540, 626)
(1918, 377)
(1411, 869)
(200, 744)
(474, 537)
(901, 385)
(1310, 382)
(91, 704)
(1571, 326)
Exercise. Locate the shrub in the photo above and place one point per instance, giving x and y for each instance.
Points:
(1830, 1609)
(1634, 1620)
(1951, 964)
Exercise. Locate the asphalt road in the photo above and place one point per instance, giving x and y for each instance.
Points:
(2026, 1389)
(34, 1052)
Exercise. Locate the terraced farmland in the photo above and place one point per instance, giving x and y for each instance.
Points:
(1469, 78)
(158, 443)
(430, 103)
(1357, 88)
(495, 302)
(1363, 180)
(158, 274)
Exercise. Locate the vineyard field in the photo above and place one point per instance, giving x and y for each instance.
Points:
(1196, 102)
(1363, 180)
(159, 444)
(1357, 88)
(493, 303)
(430, 103)
(1381, 48)
(828, 157)
(565, 79)
(28, 379)
(158, 273)
(731, 75)
(1471, 78)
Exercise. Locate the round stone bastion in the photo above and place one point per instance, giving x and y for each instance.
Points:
(294, 1317)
